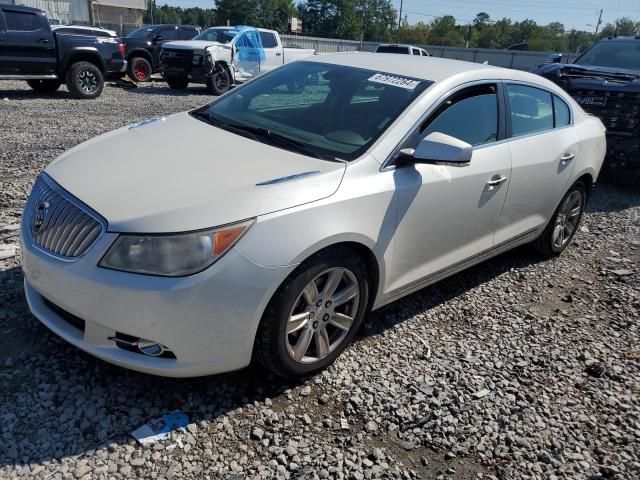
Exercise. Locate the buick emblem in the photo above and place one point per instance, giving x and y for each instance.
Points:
(39, 216)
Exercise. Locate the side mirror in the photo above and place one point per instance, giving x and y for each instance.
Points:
(554, 58)
(158, 38)
(439, 148)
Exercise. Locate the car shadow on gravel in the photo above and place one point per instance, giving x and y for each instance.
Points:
(165, 90)
(30, 95)
(431, 296)
(56, 401)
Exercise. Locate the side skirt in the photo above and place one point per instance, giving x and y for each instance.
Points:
(398, 293)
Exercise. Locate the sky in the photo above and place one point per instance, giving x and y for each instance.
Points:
(579, 14)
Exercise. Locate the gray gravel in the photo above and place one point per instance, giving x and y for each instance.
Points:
(514, 369)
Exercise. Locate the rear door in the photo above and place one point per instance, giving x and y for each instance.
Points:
(27, 43)
(5, 65)
(543, 145)
(272, 51)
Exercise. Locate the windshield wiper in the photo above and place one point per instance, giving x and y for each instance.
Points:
(280, 140)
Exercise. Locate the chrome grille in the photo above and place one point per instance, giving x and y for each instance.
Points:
(619, 111)
(57, 225)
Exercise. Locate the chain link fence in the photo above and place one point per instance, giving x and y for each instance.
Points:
(520, 60)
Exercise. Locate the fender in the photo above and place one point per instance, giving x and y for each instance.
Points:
(139, 52)
(91, 54)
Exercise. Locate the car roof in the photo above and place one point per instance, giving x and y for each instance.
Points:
(426, 68)
(621, 39)
(21, 8)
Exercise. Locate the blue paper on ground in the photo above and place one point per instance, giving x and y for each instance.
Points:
(160, 428)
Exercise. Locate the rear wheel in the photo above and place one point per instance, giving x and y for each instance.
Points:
(177, 83)
(219, 82)
(563, 225)
(314, 315)
(84, 80)
(44, 86)
(139, 69)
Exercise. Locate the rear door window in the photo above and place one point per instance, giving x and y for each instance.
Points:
(415, 51)
(168, 34)
(268, 40)
(21, 21)
(187, 33)
(531, 109)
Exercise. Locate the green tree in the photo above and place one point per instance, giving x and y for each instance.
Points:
(622, 27)
(444, 31)
(415, 34)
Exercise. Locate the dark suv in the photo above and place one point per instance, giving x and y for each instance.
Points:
(143, 47)
(605, 81)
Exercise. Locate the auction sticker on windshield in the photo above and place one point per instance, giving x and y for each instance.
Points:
(394, 80)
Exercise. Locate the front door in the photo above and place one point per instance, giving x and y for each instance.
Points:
(543, 146)
(448, 214)
(27, 45)
(248, 54)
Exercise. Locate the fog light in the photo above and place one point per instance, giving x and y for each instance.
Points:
(150, 348)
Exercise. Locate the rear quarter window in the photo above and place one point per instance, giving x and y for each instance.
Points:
(561, 112)
(268, 40)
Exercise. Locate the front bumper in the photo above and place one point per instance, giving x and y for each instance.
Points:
(208, 320)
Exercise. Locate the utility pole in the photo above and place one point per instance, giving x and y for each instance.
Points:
(599, 22)
(399, 21)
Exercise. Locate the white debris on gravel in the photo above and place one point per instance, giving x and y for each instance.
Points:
(515, 369)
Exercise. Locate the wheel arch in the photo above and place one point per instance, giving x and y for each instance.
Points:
(140, 52)
(84, 55)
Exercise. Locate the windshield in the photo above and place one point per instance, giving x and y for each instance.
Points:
(141, 32)
(220, 35)
(613, 54)
(323, 110)
(392, 49)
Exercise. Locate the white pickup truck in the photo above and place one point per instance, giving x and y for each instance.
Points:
(222, 56)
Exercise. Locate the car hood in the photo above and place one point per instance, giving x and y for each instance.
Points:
(194, 44)
(566, 72)
(178, 174)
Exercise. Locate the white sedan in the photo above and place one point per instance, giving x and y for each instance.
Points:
(268, 223)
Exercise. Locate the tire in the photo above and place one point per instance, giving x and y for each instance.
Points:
(564, 223)
(285, 354)
(219, 82)
(84, 80)
(177, 83)
(44, 86)
(139, 69)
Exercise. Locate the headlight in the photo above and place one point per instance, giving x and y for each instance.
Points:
(172, 255)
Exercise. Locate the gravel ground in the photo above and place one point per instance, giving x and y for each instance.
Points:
(514, 369)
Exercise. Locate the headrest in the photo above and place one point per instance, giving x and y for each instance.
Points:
(524, 105)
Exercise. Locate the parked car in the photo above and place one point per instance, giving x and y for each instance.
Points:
(84, 30)
(605, 81)
(402, 49)
(222, 56)
(267, 223)
(143, 47)
(45, 58)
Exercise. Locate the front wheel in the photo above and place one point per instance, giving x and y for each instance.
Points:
(84, 80)
(563, 225)
(219, 82)
(314, 315)
(44, 86)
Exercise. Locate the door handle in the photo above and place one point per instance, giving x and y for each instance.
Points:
(278, 54)
(43, 40)
(567, 157)
(494, 182)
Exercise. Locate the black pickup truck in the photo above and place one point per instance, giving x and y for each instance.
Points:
(605, 81)
(31, 51)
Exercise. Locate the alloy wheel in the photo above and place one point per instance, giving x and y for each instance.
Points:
(88, 81)
(141, 71)
(567, 219)
(322, 315)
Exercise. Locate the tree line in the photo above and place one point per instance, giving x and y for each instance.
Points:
(377, 21)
